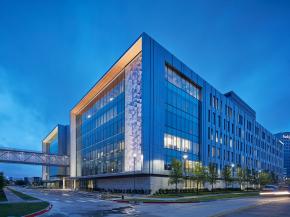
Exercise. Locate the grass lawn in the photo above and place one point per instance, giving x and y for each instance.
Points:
(219, 197)
(20, 209)
(22, 195)
(2, 196)
(201, 199)
(178, 195)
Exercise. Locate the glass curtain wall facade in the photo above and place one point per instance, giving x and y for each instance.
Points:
(182, 126)
(101, 130)
(56, 143)
(53, 149)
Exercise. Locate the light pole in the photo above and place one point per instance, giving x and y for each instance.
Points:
(233, 171)
(259, 178)
(134, 156)
(233, 167)
(184, 167)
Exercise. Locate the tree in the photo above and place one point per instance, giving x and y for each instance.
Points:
(265, 178)
(212, 174)
(176, 175)
(1, 181)
(248, 177)
(241, 176)
(20, 182)
(274, 177)
(227, 175)
(255, 177)
(199, 175)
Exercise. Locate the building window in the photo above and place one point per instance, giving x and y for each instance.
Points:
(213, 152)
(177, 143)
(208, 116)
(240, 119)
(179, 80)
(216, 137)
(208, 133)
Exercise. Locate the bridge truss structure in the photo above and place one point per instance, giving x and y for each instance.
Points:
(9, 155)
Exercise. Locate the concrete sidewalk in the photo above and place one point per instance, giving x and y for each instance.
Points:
(11, 197)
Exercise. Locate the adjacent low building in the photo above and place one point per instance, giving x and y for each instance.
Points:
(149, 108)
(56, 143)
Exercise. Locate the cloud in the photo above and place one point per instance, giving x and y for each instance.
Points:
(21, 125)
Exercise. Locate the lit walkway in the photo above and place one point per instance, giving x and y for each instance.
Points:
(11, 197)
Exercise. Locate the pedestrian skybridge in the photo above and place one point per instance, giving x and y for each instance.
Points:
(10, 155)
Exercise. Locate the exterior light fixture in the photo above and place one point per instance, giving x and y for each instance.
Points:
(89, 116)
(232, 165)
(111, 99)
(184, 156)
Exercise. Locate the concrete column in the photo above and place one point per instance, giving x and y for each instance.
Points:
(63, 183)
(74, 185)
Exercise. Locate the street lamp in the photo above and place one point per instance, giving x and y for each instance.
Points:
(134, 156)
(184, 166)
(233, 169)
(259, 177)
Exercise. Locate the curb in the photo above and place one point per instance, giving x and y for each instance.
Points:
(153, 202)
(40, 212)
(172, 202)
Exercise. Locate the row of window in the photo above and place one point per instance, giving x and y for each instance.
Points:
(216, 120)
(180, 144)
(105, 97)
(230, 156)
(100, 132)
(175, 77)
(181, 100)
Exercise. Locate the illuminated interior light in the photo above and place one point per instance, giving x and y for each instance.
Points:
(89, 116)
(111, 99)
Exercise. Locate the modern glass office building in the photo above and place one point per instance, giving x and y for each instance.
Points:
(285, 139)
(56, 143)
(150, 108)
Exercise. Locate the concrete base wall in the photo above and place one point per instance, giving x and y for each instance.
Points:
(147, 183)
(124, 183)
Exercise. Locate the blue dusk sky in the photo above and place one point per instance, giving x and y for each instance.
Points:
(52, 52)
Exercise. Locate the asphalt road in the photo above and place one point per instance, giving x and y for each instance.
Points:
(279, 208)
(76, 204)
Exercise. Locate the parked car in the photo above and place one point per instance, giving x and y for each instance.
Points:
(274, 190)
(270, 188)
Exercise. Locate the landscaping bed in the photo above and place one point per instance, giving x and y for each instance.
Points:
(21, 209)
(190, 200)
(194, 193)
(2, 196)
(22, 195)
